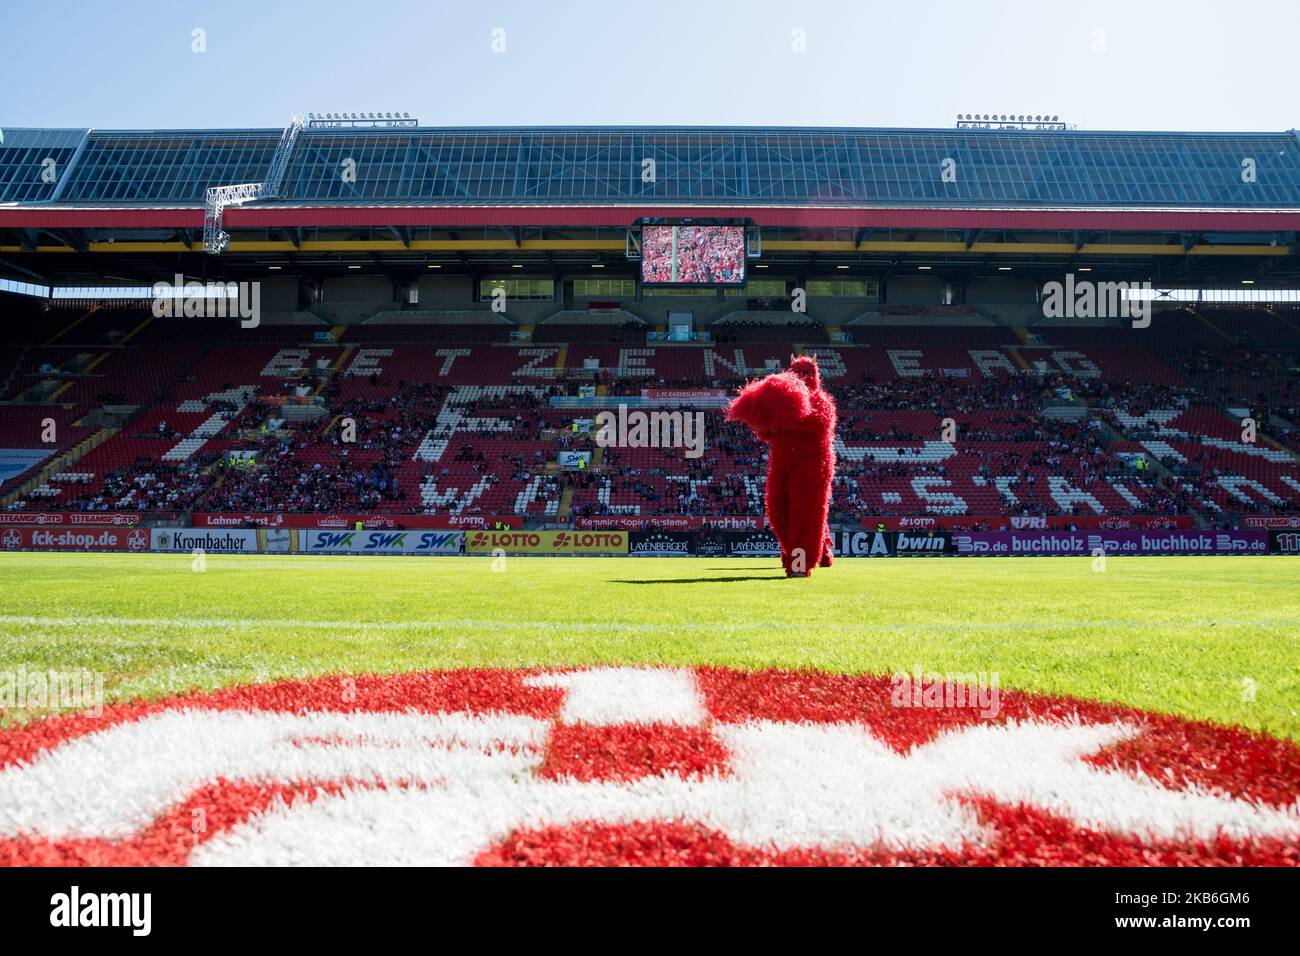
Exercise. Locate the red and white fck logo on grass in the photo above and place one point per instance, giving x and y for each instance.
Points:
(636, 765)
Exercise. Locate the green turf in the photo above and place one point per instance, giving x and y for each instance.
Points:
(1171, 634)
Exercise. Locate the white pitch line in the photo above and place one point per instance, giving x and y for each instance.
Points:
(455, 624)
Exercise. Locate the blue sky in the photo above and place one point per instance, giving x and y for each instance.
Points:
(1139, 64)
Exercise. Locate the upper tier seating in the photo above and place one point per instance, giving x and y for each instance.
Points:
(934, 420)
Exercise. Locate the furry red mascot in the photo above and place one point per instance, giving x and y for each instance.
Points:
(796, 418)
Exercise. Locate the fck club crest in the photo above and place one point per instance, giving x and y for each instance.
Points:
(636, 765)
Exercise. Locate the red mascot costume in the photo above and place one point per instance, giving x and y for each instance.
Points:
(796, 418)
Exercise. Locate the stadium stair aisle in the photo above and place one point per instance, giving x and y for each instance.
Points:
(340, 363)
(137, 330)
(219, 480)
(566, 504)
(1020, 359)
(13, 371)
(90, 366)
(1210, 325)
(1282, 319)
(73, 324)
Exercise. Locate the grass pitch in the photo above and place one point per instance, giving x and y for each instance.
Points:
(1210, 638)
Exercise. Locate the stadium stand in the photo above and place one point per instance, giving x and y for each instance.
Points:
(924, 300)
(446, 422)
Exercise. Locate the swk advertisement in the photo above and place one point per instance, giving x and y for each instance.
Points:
(382, 542)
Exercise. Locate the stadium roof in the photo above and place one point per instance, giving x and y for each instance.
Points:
(1178, 207)
(720, 167)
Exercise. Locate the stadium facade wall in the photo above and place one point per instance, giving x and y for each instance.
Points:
(279, 295)
(1001, 293)
(453, 291)
(345, 300)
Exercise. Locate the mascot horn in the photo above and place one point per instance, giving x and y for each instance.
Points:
(796, 418)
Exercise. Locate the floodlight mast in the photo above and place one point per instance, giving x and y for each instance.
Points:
(215, 239)
(1011, 121)
(280, 161)
(384, 120)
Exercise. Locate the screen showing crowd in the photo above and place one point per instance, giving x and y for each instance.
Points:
(693, 255)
